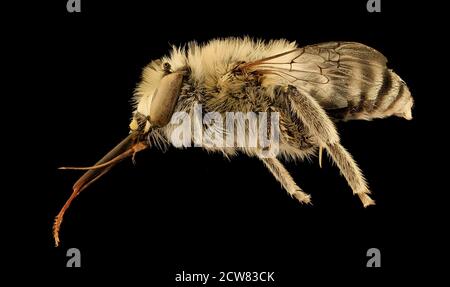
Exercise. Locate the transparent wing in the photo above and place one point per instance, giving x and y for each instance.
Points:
(339, 75)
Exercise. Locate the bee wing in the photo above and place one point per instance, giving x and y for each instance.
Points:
(348, 79)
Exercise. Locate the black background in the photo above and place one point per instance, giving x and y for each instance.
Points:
(198, 212)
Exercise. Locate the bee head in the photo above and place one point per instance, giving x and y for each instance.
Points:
(157, 94)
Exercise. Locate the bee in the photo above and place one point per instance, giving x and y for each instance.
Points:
(310, 88)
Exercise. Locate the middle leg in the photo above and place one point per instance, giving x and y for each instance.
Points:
(286, 180)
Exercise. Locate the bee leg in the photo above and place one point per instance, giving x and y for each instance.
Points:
(283, 176)
(351, 172)
(308, 110)
(320, 125)
(320, 156)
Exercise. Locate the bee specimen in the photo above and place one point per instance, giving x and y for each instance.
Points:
(310, 88)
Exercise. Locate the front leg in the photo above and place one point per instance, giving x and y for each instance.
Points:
(314, 117)
(283, 176)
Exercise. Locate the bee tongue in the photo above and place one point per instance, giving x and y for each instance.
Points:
(126, 148)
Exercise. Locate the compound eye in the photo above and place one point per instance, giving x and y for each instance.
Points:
(166, 67)
(165, 99)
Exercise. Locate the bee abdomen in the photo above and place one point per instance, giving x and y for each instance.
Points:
(383, 94)
(393, 98)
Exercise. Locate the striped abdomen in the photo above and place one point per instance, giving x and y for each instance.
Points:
(383, 95)
(349, 80)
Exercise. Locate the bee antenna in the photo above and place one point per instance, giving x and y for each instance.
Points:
(130, 152)
(128, 147)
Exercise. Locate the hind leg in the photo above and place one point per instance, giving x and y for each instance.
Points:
(351, 172)
(319, 124)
